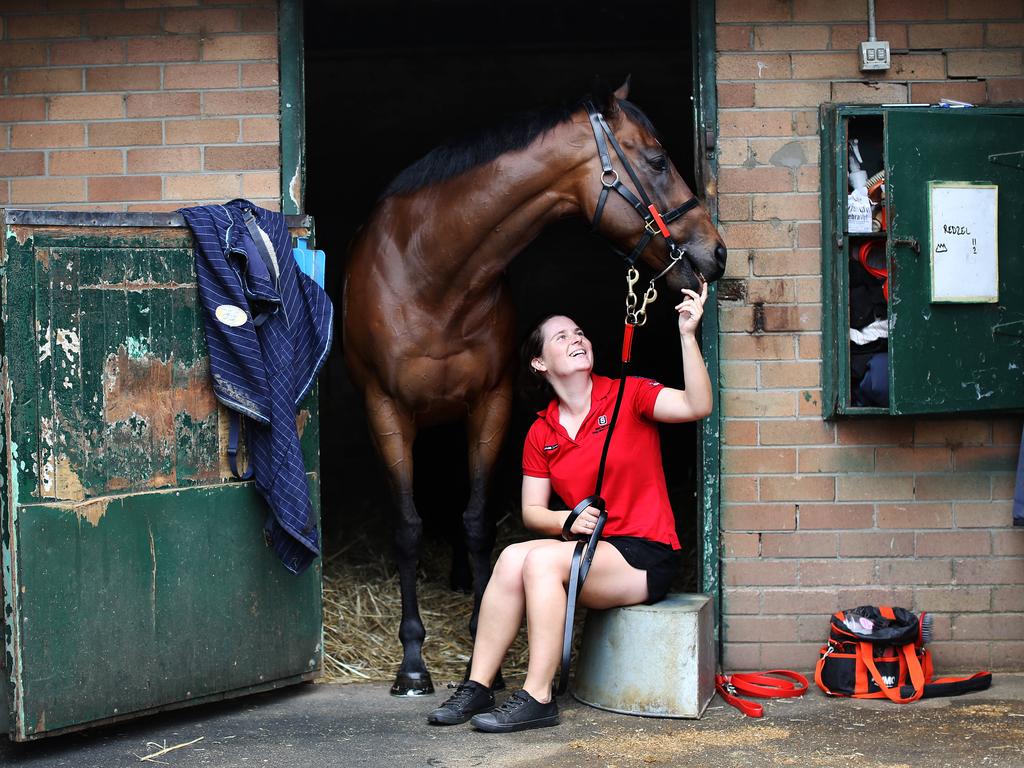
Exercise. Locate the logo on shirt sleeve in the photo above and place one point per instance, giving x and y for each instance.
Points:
(551, 447)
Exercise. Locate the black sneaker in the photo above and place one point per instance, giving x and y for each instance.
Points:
(519, 712)
(469, 698)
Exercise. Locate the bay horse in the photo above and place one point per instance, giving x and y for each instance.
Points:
(428, 323)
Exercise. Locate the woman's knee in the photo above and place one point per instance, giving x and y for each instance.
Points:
(508, 568)
(545, 564)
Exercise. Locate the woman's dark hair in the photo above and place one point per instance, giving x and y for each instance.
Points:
(534, 388)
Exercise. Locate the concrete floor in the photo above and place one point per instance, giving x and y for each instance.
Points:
(361, 725)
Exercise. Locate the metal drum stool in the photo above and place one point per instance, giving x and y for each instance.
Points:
(651, 660)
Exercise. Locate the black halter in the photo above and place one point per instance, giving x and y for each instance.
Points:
(654, 223)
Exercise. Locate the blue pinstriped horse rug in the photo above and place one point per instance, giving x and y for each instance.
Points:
(268, 330)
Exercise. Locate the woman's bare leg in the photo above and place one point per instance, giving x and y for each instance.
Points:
(611, 582)
(501, 610)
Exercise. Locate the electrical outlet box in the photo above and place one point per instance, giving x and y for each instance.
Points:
(874, 55)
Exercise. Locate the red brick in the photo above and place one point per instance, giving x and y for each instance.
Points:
(240, 48)
(792, 318)
(744, 347)
(162, 104)
(915, 515)
(1002, 90)
(257, 129)
(848, 37)
(758, 517)
(798, 488)
(809, 402)
(122, 78)
(988, 626)
(1008, 543)
(987, 570)
(797, 432)
(809, 346)
(971, 91)
(123, 188)
(872, 544)
(47, 191)
(808, 180)
(734, 208)
(771, 291)
(787, 94)
(962, 656)
(737, 375)
(23, 54)
(48, 26)
(959, 599)
(983, 514)
(953, 486)
(733, 95)
(787, 262)
(945, 36)
(200, 76)
(815, 573)
(22, 108)
(875, 595)
(242, 158)
(788, 206)
(203, 22)
(748, 403)
(756, 180)
(733, 38)
(816, 10)
(34, 164)
(742, 461)
(958, 543)
(907, 459)
(163, 160)
(874, 487)
(45, 81)
(262, 186)
(260, 21)
(203, 131)
(751, 10)
(798, 545)
(738, 489)
(747, 124)
(740, 656)
(1007, 431)
(835, 516)
(756, 234)
(96, 51)
(1007, 35)
(92, 107)
(803, 37)
(911, 10)
(124, 134)
(86, 162)
(870, 93)
(952, 433)
(207, 186)
(1008, 598)
(737, 432)
(760, 572)
(47, 135)
(256, 75)
(778, 629)
(826, 66)
(984, 9)
(162, 50)
(912, 572)
(984, 63)
(123, 24)
(740, 545)
(1001, 458)
(741, 601)
(241, 103)
(884, 432)
(836, 459)
(800, 600)
(789, 374)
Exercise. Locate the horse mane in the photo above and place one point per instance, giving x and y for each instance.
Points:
(464, 153)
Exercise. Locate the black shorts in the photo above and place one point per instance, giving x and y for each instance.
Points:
(659, 560)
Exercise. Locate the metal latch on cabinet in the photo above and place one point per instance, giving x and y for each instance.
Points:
(1012, 159)
(1013, 329)
(910, 242)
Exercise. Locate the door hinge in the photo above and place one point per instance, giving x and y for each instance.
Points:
(1012, 159)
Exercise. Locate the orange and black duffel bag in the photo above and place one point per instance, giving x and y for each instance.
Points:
(878, 652)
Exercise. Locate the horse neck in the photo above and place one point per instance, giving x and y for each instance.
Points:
(471, 227)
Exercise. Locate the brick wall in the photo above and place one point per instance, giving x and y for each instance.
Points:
(818, 515)
(138, 105)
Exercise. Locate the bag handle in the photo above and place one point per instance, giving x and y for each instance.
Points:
(764, 685)
(864, 654)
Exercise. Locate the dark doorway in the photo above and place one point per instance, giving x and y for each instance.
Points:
(388, 80)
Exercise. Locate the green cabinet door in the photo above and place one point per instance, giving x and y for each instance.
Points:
(966, 355)
(135, 573)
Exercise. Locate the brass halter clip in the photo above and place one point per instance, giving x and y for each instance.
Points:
(636, 316)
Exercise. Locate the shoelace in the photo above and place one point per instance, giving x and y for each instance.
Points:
(512, 703)
(463, 693)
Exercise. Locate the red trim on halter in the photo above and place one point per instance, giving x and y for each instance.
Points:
(627, 342)
(658, 220)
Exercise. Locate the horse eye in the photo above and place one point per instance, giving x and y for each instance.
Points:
(658, 163)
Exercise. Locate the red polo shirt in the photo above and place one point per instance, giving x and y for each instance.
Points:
(634, 482)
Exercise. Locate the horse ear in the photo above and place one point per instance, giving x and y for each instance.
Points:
(622, 92)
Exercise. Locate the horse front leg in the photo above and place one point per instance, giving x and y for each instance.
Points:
(487, 425)
(394, 432)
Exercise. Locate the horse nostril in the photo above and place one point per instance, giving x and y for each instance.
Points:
(720, 253)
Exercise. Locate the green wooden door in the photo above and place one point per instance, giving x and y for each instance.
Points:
(965, 356)
(135, 575)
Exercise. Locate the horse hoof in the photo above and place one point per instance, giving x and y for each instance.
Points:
(412, 684)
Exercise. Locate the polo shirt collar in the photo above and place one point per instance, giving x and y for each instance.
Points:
(600, 392)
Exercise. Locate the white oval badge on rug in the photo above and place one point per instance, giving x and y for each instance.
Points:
(231, 315)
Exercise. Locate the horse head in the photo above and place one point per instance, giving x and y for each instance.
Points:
(635, 197)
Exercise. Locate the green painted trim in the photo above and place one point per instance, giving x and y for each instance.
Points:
(293, 106)
(705, 105)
